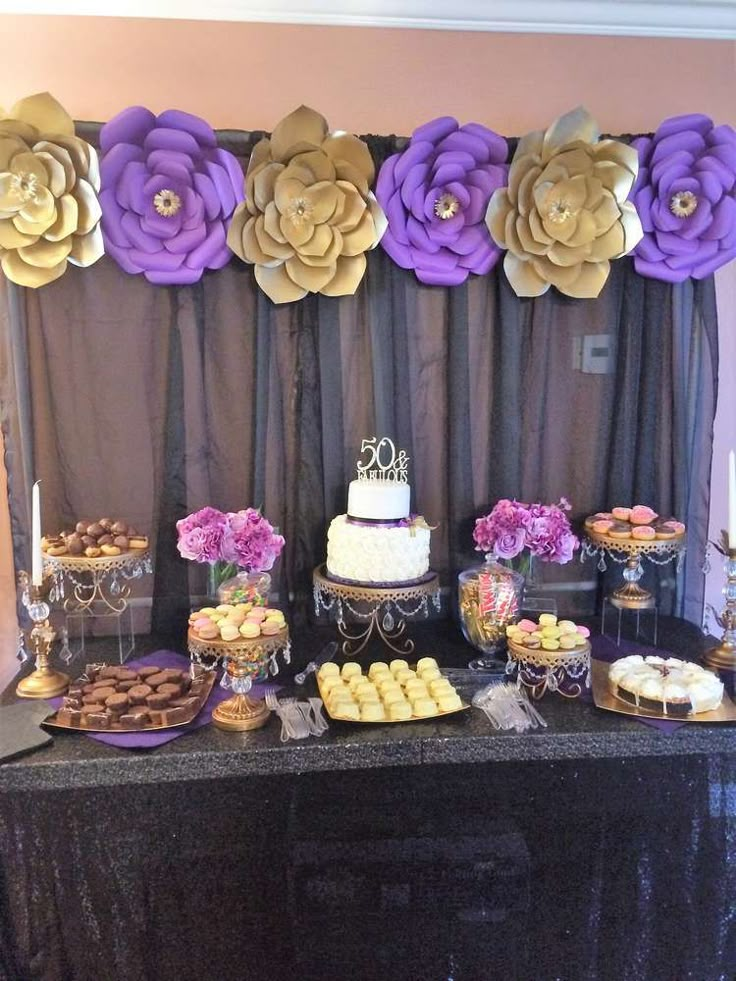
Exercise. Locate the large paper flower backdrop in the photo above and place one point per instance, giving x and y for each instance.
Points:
(435, 195)
(49, 178)
(309, 214)
(686, 198)
(168, 192)
(564, 214)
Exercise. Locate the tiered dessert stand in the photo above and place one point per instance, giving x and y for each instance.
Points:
(630, 552)
(380, 609)
(93, 588)
(244, 662)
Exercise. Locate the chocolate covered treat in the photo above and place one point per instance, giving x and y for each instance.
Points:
(121, 699)
(154, 680)
(139, 693)
(117, 703)
(158, 700)
(107, 537)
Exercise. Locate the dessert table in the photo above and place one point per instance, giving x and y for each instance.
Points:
(392, 849)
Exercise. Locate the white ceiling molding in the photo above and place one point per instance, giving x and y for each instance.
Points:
(714, 19)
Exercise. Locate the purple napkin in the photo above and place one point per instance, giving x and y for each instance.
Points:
(604, 649)
(149, 740)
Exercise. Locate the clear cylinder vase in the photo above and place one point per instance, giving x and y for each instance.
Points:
(489, 598)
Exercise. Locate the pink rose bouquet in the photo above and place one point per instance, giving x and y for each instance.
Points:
(244, 539)
(543, 530)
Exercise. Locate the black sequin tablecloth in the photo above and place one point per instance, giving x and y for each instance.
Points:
(599, 848)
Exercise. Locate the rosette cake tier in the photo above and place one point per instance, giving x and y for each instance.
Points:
(378, 541)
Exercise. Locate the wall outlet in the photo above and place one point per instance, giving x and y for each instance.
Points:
(593, 354)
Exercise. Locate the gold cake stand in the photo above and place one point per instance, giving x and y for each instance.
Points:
(380, 609)
(243, 661)
(630, 595)
(99, 587)
(564, 672)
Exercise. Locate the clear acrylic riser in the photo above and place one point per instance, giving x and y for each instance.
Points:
(95, 591)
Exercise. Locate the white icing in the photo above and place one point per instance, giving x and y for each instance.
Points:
(651, 688)
(669, 680)
(380, 500)
(376, 554)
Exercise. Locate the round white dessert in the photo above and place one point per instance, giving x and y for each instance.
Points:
(378, 500)
(375, 553)
(669, 685)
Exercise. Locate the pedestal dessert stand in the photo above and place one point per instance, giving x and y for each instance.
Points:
(383, 609)
(98, 588)
(630, 552)
(244, 661)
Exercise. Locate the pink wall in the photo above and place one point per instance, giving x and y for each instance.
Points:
(368, 80)
(373, 80)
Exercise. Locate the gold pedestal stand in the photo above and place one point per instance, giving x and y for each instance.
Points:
(44, 682)
(723, 656)
(382, 609)
(243, 661)
(241, 712)
(631, 551)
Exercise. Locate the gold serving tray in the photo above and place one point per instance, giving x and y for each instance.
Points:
(119, 730)
(605, 699)
(382, 722)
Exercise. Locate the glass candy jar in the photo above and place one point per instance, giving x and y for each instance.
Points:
(489, 599)
(245, 587)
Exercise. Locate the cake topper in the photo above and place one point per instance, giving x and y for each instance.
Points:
(383, 462)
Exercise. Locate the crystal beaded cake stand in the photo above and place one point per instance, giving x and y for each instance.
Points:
(380, 609)
(100, 588)
(630, 595)
(244, 662)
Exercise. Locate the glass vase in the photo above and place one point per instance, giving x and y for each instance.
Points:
(489, 598)
(245, 587)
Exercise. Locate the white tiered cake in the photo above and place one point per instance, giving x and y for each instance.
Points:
(379, 541)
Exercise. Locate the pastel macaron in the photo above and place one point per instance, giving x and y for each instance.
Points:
(250, 630)
(528, 626)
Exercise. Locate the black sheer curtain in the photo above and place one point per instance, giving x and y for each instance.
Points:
(151, 402)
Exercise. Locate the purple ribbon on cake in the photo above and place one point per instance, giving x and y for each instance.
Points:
(412, 522)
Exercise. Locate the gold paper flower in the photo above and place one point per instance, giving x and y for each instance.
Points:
(309, 214)
(49, 178)
(564, 214)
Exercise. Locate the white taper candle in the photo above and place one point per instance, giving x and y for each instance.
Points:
(731, 500)
(36, 556)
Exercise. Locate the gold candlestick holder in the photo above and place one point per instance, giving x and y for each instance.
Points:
(44, 681)
(723, 656)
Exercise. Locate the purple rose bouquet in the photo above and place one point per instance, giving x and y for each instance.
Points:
(242, 539)
(540, 530)
(250, 541)
(201, 535)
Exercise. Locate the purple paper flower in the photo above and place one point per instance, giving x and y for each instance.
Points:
(251, 541)
(512, 527)
(168, 194)
(435, 194)
(201, 535)
(686, 198)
